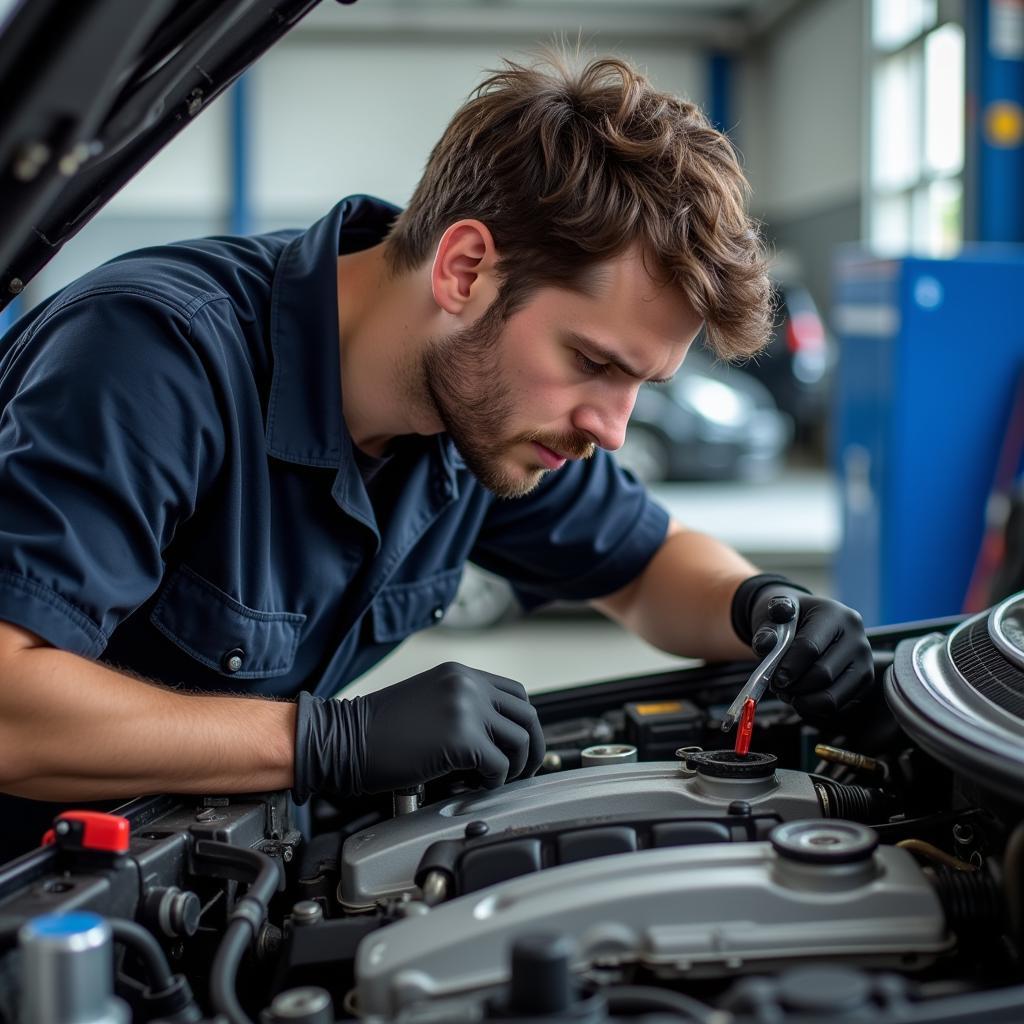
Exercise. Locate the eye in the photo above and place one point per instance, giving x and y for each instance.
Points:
(588, 366)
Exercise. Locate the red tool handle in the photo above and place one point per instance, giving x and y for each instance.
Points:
(745, 730)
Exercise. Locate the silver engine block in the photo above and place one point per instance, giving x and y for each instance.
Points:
(819, 890)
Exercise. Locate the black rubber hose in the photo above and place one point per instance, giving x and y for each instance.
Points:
(142, 942)
(865, 804)
(973, 902)
(225, 970)
(246, 863)
(248, 914)
(646, 998)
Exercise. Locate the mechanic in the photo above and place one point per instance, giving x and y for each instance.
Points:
(236, 472)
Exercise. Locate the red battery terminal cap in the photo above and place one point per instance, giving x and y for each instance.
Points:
(89, 830)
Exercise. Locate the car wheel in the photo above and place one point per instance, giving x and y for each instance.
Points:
(645, 454)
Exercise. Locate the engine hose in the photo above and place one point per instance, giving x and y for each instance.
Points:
(225, 970)
(142, 942)
(865, 804)
(634, 999)
(248, 913)
(973, 902)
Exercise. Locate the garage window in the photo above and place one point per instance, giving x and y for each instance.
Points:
(917, 129)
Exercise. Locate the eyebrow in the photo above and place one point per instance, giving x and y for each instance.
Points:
(599, 352)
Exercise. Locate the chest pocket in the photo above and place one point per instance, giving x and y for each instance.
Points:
(404, 608)
(220, 633)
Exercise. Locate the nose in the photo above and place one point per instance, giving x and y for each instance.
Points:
(605, 421)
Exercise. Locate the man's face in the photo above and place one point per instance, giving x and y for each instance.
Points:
(559, 377)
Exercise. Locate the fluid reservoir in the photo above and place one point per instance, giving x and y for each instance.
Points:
(68, 971)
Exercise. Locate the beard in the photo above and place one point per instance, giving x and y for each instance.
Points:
(461, 376)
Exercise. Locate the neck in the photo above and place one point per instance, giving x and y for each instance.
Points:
(384, 320)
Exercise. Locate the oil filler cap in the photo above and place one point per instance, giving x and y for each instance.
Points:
(824, 842)
(727, 764)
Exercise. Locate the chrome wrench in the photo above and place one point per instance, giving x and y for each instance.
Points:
(783, 613)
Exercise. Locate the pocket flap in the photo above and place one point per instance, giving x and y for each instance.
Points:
(404, 608)
(221, 633)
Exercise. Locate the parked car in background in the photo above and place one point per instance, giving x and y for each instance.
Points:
(712, 422)
(796, 365)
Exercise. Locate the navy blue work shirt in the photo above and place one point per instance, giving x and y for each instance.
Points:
(180, 495)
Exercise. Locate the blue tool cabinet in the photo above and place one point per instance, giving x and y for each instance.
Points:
(929, 354)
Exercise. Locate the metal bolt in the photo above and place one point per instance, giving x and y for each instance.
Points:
(552, 762)
(405, 801)
(195, 102)
(62, 828)
(435, 888)
(16, 286)
(307, 912)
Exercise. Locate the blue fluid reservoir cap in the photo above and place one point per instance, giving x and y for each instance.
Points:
(56, 925)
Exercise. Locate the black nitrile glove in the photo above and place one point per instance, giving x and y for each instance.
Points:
(449, 718)
(828, 668)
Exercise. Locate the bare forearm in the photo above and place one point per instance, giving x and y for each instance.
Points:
(681, 602)
(71, 729)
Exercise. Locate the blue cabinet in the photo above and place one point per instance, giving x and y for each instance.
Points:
(929, 355)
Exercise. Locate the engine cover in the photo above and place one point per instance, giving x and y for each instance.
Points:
(381, 861)
(819, 890)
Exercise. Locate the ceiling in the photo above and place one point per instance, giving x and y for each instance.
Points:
(720, 24)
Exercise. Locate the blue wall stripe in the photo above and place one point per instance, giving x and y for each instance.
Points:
(995, 34)
(240, 220)
(719, 91)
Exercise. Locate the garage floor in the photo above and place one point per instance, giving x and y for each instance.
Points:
(788, 525)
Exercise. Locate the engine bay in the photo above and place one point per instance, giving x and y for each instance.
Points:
(645, 874)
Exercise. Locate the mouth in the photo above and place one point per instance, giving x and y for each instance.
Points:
(550, 459)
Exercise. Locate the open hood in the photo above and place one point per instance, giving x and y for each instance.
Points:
(94, 89)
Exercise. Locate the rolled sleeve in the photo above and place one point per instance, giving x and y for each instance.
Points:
(587, 531)
(106, 436)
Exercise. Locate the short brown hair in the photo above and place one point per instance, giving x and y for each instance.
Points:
(568, 166)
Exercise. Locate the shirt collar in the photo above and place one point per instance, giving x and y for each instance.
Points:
(304, 415)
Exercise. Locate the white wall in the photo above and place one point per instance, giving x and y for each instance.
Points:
(799, 109)
(332, 112)
(363, 115)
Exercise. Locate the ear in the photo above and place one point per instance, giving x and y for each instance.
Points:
(463, 278)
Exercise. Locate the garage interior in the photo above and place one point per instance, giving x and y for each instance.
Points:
(873, 132)
(881, 132)
(868, 865)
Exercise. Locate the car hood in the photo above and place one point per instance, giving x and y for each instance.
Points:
(94, 90)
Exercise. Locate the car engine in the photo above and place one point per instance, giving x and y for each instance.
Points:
(647, 873)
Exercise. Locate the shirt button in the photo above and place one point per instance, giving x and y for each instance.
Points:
(438, 614)
(232, 661)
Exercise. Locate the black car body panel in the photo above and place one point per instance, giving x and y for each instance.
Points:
(101, 86)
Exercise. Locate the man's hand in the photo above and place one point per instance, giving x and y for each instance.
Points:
(828, 667)
(449, 718)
